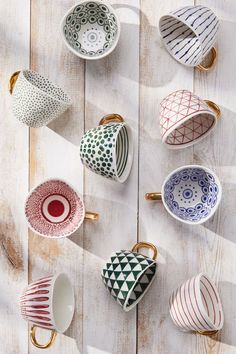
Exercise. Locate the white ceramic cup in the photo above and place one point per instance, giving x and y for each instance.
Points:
(91, 29)
(186, 119)
(48, 303)
(108, 149)
(191, 194)
(196, 306)
(36, 101)
(189, 34)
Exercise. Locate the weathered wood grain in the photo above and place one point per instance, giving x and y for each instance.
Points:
(112, 86)
(54, 153)
(14, 43)
(160, 75)
(217, 249)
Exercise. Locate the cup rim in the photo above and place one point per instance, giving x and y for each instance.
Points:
(129, 162)
(185, 119)
(67, 103)
(54, 279)
(114, 43)
(212, 211)
(203, 310)
(33, 190)
(170, 14)
(126, 309)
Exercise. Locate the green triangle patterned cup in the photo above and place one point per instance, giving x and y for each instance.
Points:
(108, 149)
(128, 275)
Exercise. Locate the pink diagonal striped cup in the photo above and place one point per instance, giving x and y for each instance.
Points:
(196, 306)
(48, 303)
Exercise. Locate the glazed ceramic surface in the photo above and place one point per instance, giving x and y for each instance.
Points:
(49, 303)
(36, 101)
(108, 150)
(128, 275)
(191, 194)
(184, 119)
(54, 209)
(91, 29)
(196, 305)
(189, 33)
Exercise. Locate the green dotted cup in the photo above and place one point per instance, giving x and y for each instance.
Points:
(108, 149)
(128, 275)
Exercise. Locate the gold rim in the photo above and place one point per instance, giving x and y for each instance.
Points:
(148, 245)
(207, 333)
(113, 117)
(89, 215)
(153, 196)
(201, 67)
(12, 81)
(214, 107)
(35, 342)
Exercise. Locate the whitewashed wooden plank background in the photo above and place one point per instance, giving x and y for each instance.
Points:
(131, 82)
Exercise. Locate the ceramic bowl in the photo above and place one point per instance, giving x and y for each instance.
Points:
(191, 194)
(91, 29)
(53, 209)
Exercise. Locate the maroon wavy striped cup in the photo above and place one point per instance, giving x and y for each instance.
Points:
(196, 306)
(48, 303)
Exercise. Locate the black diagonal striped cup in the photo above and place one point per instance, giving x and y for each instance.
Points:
(108, 148)
(189, 34)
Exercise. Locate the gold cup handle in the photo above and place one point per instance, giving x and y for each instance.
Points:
(201, 67)
(12, 81)
(89, 215)
(148, 245)
(113, 117)
(35, 342)
(153, 196)
(214, 107)
(207, 333)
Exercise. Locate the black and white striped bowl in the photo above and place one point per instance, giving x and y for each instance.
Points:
(189, 33)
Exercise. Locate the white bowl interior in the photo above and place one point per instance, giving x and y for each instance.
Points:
(211, 301)
(191, 130)
(180, 41)
(63, 303)
(91, 28)
(43, 84)
(124, 152)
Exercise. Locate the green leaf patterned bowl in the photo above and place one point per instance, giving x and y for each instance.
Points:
(91, 29)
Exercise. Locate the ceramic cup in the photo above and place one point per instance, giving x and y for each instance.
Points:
(35, 100)
(186, 119)
(190, 194)
(48, 303)
(128, 275)
(189, 34)
(108, 149)
(91, 29)
(196, 306)
(54, 209)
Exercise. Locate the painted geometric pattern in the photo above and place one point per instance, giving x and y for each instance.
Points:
(35, 303)
(176, 107)
(189, 33)
(127, 276)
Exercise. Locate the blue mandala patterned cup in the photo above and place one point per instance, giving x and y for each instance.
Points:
(190, 194)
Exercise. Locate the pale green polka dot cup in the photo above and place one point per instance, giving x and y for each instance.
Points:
(108, 149)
